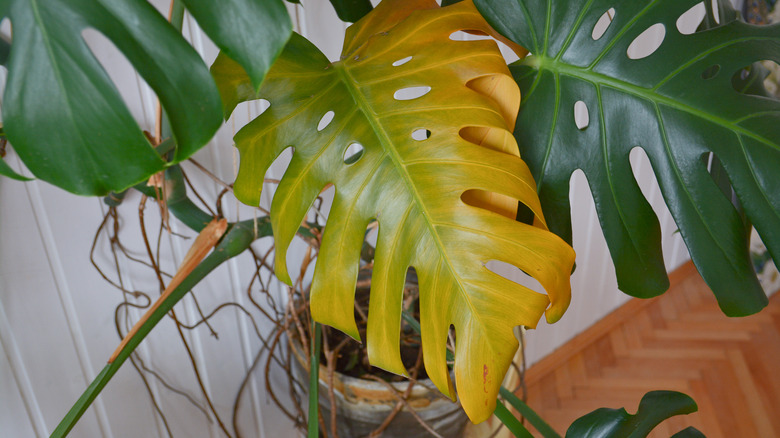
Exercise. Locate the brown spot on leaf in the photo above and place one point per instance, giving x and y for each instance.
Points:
(485, 372)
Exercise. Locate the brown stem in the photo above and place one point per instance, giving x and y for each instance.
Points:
(151, 395)
(398, 406)
(244, 382)
(330, 357)
(195, 192)
(198, 378)
(269, 386)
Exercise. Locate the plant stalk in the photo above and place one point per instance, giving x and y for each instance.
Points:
(238, 237)
(529, 414)
(314, 381)
(510, 421)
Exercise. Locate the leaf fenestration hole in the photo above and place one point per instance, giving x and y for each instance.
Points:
(262, 105)
(372, 232)
(411, 93)
(353, 153)
(755, 79)
(421, 134)
(325, 120)
(250, 109)
(717, 172)
(275, 171)
(451, 344)
(647, 42)
(715, 11)
(690, 20)
(469, 35)
(491, 201)
(514, 274)
(581, 115)
(710, 72)
(116, 65)
(402, 61)
(641, 169)
(602, 24)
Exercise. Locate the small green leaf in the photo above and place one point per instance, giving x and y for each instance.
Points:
(6, 170)
(64, 116)
(655, 407)
(677, 103)
(689, 432)
(252, 32)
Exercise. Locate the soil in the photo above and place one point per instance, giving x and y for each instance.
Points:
(352, 359)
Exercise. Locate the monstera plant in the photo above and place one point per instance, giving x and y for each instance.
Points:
(414, 131)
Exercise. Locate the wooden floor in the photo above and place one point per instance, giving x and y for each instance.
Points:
(679, 341)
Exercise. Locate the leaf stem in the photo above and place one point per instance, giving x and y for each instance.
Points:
(536, 421)
(176, 14)
(238, 237)
(5, 49)
(314, 381)
(513, 424)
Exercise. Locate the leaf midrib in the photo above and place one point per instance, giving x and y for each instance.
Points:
(384, 139)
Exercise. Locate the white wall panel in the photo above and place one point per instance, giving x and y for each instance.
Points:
(18, 401)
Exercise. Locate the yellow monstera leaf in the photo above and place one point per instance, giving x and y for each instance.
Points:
(445, 204)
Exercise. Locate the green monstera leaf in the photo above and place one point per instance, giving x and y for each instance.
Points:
(351, 10)
(65, 118)
(655, 407)
(678, 104)
(439, 171)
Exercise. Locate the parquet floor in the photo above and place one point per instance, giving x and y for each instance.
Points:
(679, 341)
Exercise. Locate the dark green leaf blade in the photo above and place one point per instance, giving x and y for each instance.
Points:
(6, 170)
(677, 104)
(63, 115)
(252, 32)
(5, 50)
(351, 10)
(689, 432)
(655, 407)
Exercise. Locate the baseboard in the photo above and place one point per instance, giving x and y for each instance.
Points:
(603, 326)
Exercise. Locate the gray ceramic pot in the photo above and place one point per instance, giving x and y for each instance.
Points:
(364, 404)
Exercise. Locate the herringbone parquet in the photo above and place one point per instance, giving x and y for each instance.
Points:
(679, 341)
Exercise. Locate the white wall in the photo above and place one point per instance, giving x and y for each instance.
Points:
(56, 313)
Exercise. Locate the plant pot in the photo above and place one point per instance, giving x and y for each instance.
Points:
(363, 405)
